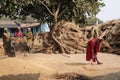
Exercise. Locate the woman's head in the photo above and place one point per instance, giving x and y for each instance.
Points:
(5, 29)
(28, 29)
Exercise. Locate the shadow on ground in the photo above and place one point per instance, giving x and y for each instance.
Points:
(111, 76)
(71, 76)
(76, 64)
(21, 77)
(65, 76)
(76, 76)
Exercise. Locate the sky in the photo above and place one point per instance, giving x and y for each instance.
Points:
(110, 11)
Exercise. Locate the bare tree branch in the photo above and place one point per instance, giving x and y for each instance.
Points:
(58, 8)
(62, 12)
(47, 8)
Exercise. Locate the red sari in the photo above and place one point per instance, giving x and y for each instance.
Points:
(92, 49)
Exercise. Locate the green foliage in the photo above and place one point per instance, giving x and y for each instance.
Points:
(49, 10)
(93, 21)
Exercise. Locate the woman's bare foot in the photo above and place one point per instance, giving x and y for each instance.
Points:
(99, 63)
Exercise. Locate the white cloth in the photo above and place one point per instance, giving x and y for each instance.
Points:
(44, 28)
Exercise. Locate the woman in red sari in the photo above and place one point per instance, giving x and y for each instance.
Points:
(92, 48)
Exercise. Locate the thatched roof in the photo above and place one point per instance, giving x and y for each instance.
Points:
(14, 24)
(8, 24)
(29, 25)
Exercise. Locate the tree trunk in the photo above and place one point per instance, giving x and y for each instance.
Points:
(53, 37)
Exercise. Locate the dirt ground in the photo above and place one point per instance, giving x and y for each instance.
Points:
(40, 66)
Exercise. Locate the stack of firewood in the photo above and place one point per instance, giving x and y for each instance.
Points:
(67, 34)
(110, 32)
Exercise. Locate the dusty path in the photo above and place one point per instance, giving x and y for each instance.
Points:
(43, 65)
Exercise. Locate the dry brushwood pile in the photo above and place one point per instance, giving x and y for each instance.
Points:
(73, 39)
(70, 37)
(67, 34)
(110, 32)
(19, 44)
